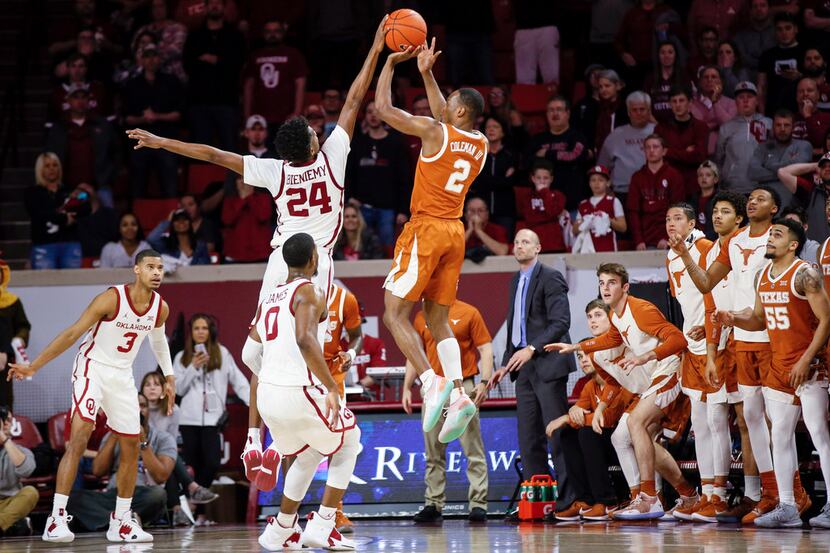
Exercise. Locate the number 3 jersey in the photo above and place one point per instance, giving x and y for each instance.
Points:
(790, 320)
(282, 361)
(115, 341)
(308, 197)
(442, 180)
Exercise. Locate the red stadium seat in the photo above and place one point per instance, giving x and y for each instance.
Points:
(150, 212)
(56, 425)
(24, 432)
(531, 98)
(199, 175)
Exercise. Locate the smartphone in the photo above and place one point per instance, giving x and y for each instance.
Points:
(200, 348)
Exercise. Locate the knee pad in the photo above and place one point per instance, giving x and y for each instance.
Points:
(341, 465)
(300, 474)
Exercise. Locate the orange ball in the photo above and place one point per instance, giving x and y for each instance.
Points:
(404, 28)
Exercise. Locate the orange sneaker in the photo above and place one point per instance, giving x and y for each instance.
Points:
(598, 512)
(802, 501)
(764, 506)
(687, 505)
(342, 523)
(710, 511)
(572, 512)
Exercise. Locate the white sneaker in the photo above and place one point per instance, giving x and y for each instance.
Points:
(252, 459)
(434, 400)
(127, 530)
(642, 507)
(278, 538)
(320, 532)
(57, 528)
(459, 415)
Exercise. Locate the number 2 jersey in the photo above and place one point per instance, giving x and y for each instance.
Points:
(282, 361)
(442, 180)
(308, 197)
(115, 341)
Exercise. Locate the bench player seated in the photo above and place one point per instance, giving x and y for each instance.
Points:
(300, 402)
(793, 307)
(651, 370)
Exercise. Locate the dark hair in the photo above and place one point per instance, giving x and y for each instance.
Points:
(559, 98)
(144, 254)
(138, 235)
(419, 97)
(655, 136)
(796, 210)
(686, 208)
(472, 101)
(737, 201)
(784, 17)
(472, 197)
(680, 90)
(776, 197)
(298, 250)
(75, 56)
(212, 344)
(543, 164)
(171, 241)
(738, 66)
(615, 269)
(783, 112)
(293, 141)
(597, 304)
(707, 29)
(796, 230)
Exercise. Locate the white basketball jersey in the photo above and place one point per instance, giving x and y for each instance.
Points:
(115, 342)
(309, 198)
(282, 361)
(685, 291)
(746, 256)
(722, 293)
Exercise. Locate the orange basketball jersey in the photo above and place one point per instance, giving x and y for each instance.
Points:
(344, 312)
(442, 180)
(824, 262)
(791, 322)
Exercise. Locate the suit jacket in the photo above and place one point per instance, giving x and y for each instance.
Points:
(547, 319)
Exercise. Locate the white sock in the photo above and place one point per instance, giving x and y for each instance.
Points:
(253, 437)
(719, 491)
(122, 506)
(449, 353)
(327, 512)
(59, 504)
(426, 378)
(285, 520)
(752, 487)
(707, 489)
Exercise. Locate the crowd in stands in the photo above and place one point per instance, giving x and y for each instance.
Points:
(679, 99)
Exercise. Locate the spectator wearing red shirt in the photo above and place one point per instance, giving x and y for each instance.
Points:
(711, 106)
(611, 114)
(602, 206)
(372, 354)
(274, 78)
(722, 15)
(247, 221)
(810, 123)
(77, 69)
(542, 208)
(635, 38)
(483, 237)
(686, 139)
(653, 189)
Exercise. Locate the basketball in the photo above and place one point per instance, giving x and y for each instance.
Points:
(405, 28)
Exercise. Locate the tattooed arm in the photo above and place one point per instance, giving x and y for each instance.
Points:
(808, 282)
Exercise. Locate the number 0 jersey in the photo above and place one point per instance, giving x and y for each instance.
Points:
(790, 320)
(115, 341)
(442, 180)
(309, 198)
(282, 361)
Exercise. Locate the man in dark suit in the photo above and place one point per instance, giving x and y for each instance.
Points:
(538, 313)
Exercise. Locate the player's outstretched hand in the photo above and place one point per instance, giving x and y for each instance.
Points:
(19, 371)
(561, 347)
(170, 391)
(427, 57)
(333, 408)
(145, 139)
(407, 54)
(380, 35)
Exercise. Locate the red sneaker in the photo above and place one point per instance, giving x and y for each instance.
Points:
(266, 479)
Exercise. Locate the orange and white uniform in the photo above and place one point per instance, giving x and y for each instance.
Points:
(344, 312)
(642, 328)
(430, 250)
(469, 329)
(693, 373)
(744, 255)
(791, 324)
(824, 263)
(721, 298)
(616, 401)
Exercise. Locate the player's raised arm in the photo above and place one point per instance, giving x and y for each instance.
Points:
(426, 128)
(705, 279)
(354, 98)
(426, 59)
(202, 152)
(103, 306)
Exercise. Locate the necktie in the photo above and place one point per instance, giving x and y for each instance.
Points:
(518, 312)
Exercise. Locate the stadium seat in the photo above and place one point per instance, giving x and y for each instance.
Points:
(56, 426)
(24, 432)
(199, 175)
(150, 212)
(531, 98)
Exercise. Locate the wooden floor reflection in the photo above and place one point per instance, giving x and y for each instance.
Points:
(495, 536)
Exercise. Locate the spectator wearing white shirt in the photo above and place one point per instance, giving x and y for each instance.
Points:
(122, 254)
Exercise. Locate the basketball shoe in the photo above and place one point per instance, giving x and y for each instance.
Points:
(434, 400)
(782, 516)
(459, 414)
(642, 507)
(252, 459)
(320, 532)
(268, 473)
(127, 529)
(57, 528)
(276, 537)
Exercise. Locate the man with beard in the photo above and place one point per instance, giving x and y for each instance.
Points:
(813, 191)
(776, 153)
(256, 138)
(274, 79)
(816, 68)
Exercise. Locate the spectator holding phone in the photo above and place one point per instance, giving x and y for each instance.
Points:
(203, 371)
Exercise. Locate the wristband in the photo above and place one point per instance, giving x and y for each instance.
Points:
(352, 354)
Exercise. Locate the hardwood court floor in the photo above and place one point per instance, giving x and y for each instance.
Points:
(495, 536)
